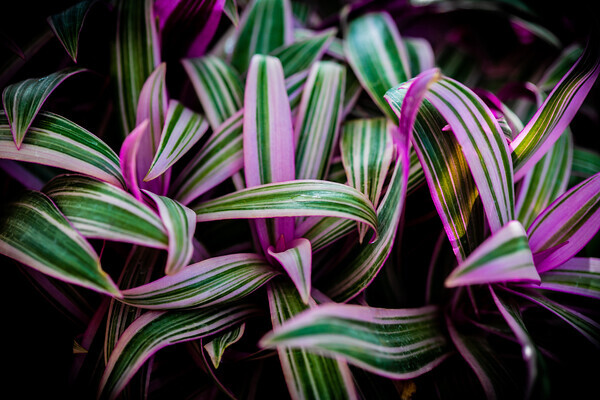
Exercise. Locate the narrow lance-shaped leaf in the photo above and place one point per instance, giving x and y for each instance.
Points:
(450, 182)
(216, 347)
(566, 225)
(296, 260)
(268, 140)
(367, 152)
(23, 100)
(513, 318)
(217, 86)
(152, 106)
(31, 226)
(557, 111)
(67, 26)
(180, 223)
(377, 55)
(294, 198)
(546, 181)
(183, 128)
(155, 330)
(302, 54)
(205, 284)
(265, 26)
(101, 211)
(585, 164)
(483, 145)
(420, 55)
(368, 337)
(230, 9)
(580, 276)
(128, 157)
(360, 266)
(137, 54)
(307, 374)
(324, 231)
(55, 141)
(318, 120)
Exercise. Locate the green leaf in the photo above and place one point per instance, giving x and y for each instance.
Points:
(230, 9)
(23, 100)
(307, 374)
(101, 211)
(302, 54)
(265, 26)
(55, 141)
(216, 347)
(205, 284)
(155, 330)
(33, 231)
(377, 55)
(296, 260)
(67, 25)
(398, 344)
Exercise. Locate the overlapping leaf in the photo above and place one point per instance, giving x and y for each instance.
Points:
(579, 276)
(216, 347)
(296, 260)
(301, 54)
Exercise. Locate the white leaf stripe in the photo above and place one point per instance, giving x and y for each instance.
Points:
(301, 54)
(216, 347)
(29, 229)
(486, 151)
(207, 283)
(579, 276)
(180, 223)
(23, 100)
(368, 337)
(293, 198)
(296, 260)
(55, 141)
(324, 231)
(183, 128)
(155, 330)
(100, 210)
(318, 120)
(67, 26)
(217, 86)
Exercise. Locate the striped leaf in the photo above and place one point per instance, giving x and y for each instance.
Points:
(398, 344)
(420, 55)
(557, 111)
(265, 26)
(208, 283)
(512, 315)
(55, 141)
(483, 145)
(219, 158)
(555, 72)
(504, 256)
(217, 86)
(566, 225)
(307, 374)
(448, 177)
(231, 11)
(136, 55)
(300, 198)
(30, 229)
(319, 116)
(216, 347)
(67, 25)
(268, 140)
(128, 157)
(546, 181)
(302, 54)
(23, 100)
(580, 276)
(324, 231)
(377, 55)
(152, 106)
(296, 260)
(183, 128)
(180, 223)
(585, 164)
(367, 152)
(101, 211)
(155, 330)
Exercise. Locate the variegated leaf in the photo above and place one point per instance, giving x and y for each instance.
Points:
(296, 260)
(67, 25)
(55, 141)
(368, 337)
(230, 9)
(155, 330)
(205, 284)
(183, 128)
(216, 347)
(101, 211)
(23, 100)
(420, 55)
(180, 223)
(324, 231)
(586, 163)
(302, 54)
(329, 377)
(566, 225)
(30, 228)
(580, 276)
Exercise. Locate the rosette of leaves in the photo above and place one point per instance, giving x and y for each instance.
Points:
(305, 202)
